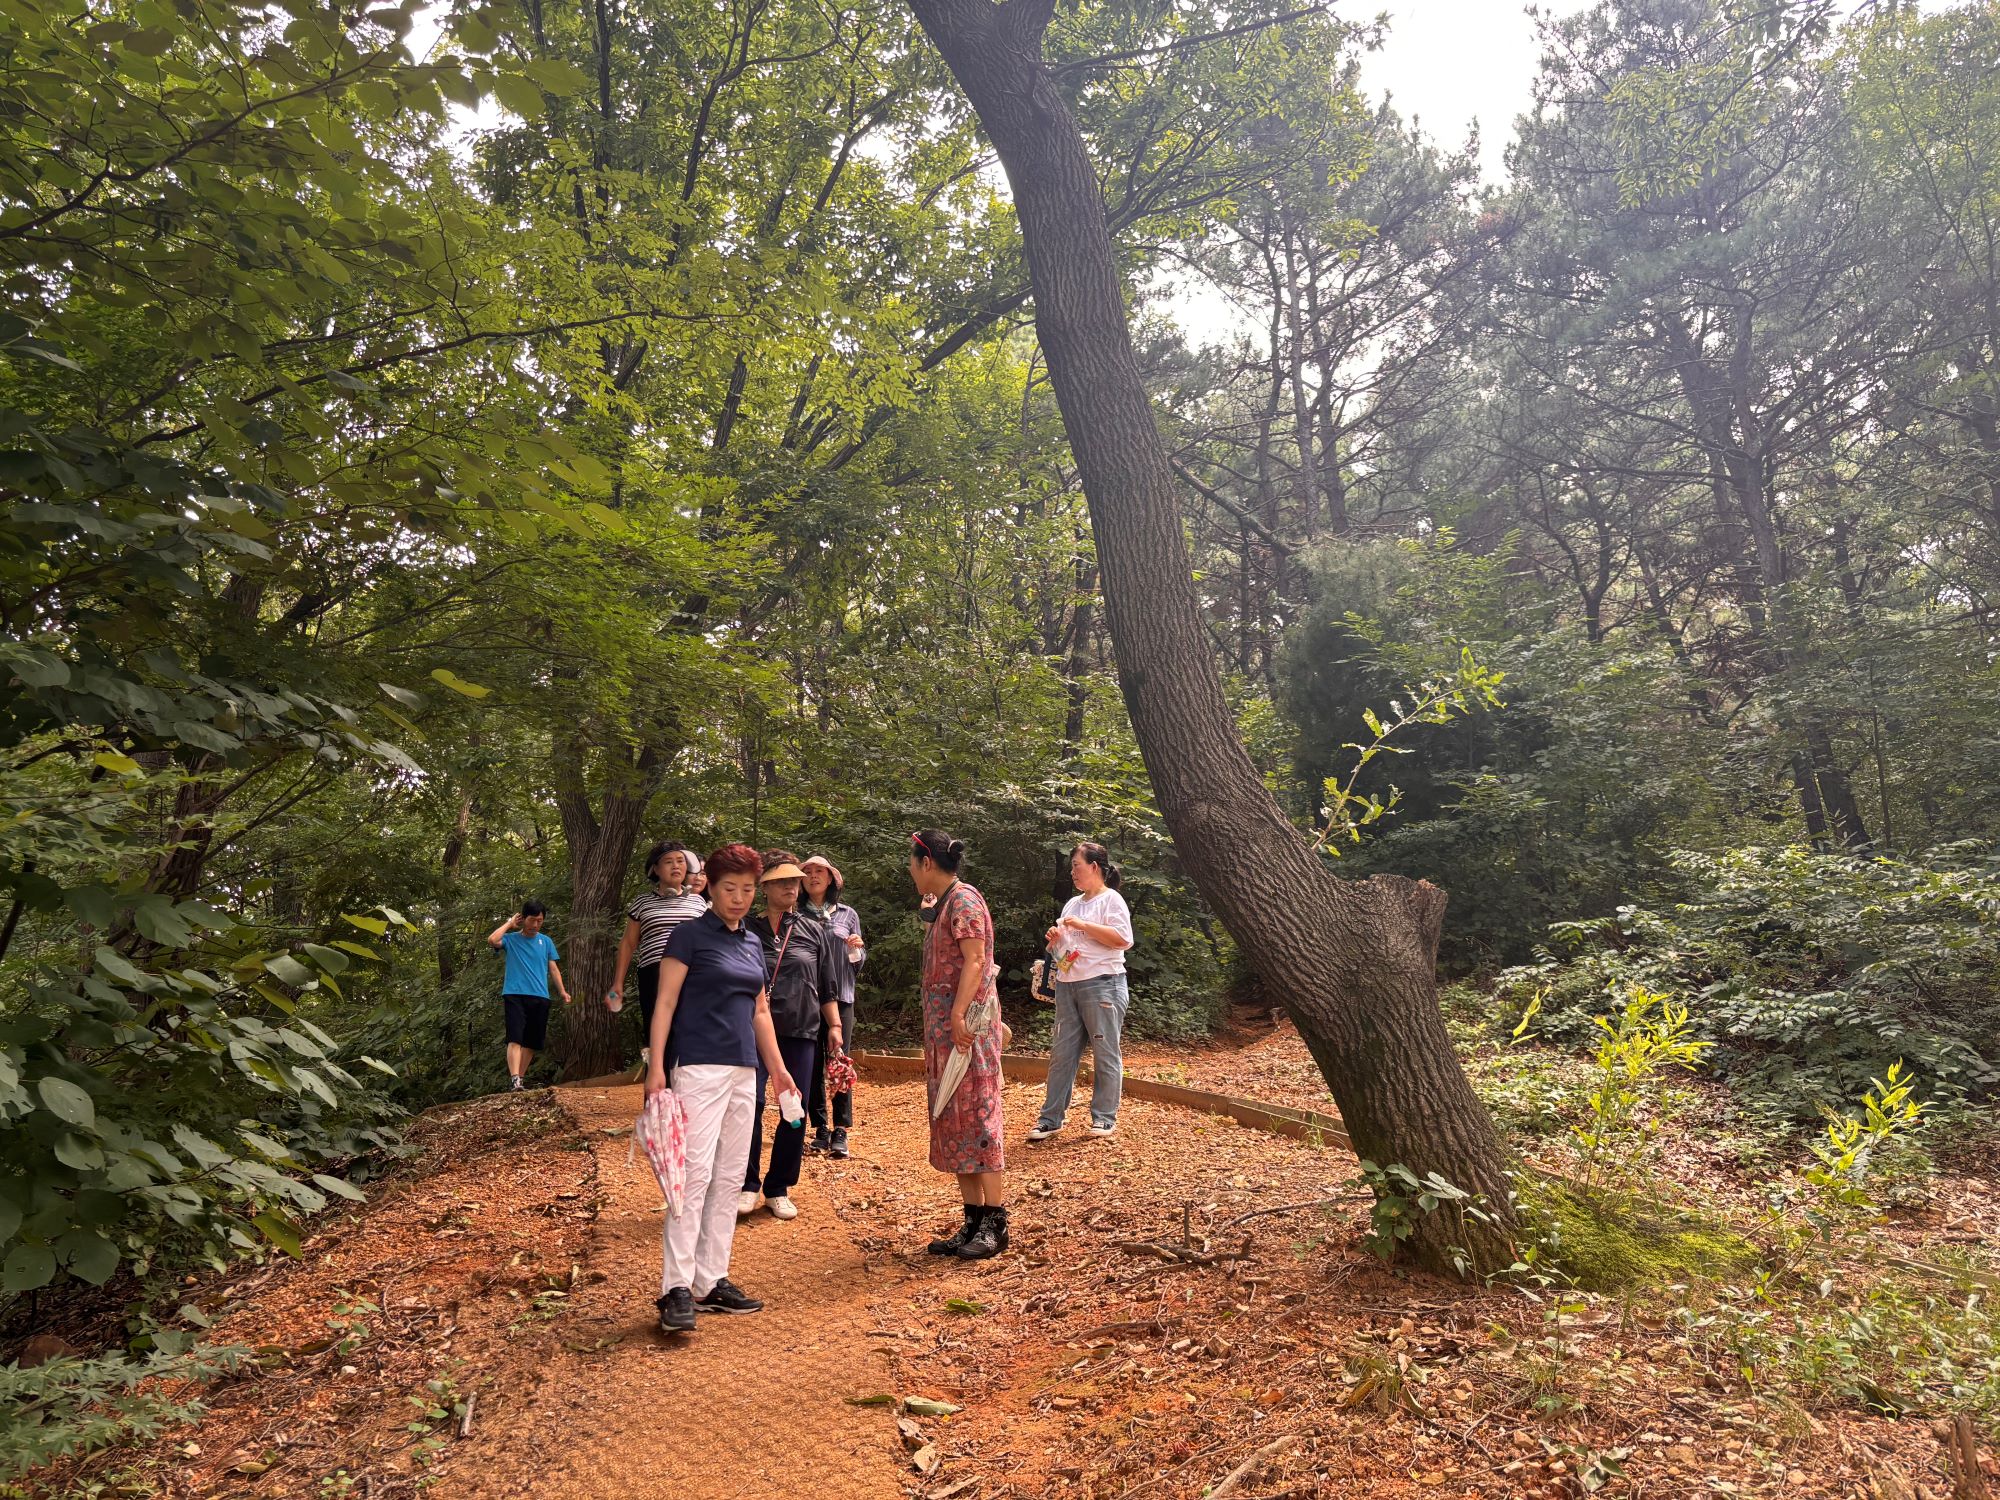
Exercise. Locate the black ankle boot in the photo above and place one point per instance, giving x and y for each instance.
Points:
(964, 1233)
(988, 1239)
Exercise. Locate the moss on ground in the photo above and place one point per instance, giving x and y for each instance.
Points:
(1606, 1241)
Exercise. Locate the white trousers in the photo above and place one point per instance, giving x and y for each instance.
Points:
(720, 1103)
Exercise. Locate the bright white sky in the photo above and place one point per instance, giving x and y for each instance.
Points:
(1454, 63)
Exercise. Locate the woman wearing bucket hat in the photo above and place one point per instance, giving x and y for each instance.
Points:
(843, 934)
(802, 984)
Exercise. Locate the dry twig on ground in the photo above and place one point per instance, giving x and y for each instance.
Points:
(1233, 1480)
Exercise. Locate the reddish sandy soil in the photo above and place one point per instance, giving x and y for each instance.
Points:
(516, 1258)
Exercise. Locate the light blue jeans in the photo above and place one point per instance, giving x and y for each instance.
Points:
(1093, 1008)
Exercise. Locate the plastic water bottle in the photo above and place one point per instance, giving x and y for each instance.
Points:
(792, 1108)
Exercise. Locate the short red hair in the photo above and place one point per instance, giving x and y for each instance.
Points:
(733, 859)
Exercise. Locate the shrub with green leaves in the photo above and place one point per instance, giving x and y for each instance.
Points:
(186, 436)
(69, 1406)
(190, 1105)
(1811, 973)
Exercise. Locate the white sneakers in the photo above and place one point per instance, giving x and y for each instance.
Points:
(782, 1208)
(747, 1201)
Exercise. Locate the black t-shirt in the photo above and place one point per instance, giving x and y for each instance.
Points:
(805, 979)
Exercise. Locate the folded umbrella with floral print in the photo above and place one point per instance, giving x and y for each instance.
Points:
(661, 1131)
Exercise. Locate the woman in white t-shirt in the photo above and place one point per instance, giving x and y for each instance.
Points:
(1087, 946)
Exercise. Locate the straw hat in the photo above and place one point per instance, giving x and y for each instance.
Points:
(785, 871)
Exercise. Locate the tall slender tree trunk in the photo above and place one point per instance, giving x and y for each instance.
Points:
(454, 851)
(1354, 961)
(1076, 668)
(1305, 482)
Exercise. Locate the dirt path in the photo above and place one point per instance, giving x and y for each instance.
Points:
(745, 1407)
(513, 1263)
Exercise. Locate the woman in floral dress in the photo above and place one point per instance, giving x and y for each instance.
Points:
(958, 960)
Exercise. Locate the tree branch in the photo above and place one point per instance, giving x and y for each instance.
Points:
(424, 351)
(1186, 43)
(1248, 518)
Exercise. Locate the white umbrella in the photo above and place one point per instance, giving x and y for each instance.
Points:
(981, 1016)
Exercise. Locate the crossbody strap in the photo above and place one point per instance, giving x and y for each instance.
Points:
(783, 943)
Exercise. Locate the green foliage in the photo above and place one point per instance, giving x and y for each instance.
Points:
(1636, 1044)
(412, 506)
(1819, 1318)
(1811, 974)
(1560, 806)
(1893, 1345)
(216, 319)
(1836, 1194)
(191, 1107)
(69, 1406)
(1401, 1197)
(1433, 701)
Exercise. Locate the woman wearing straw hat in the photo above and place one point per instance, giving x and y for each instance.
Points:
(966, 1134)
(843, 932)
(803, 985)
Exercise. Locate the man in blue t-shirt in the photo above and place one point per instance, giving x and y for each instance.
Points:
(530, 954)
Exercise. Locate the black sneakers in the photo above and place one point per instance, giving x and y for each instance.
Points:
(817, 1146)
(677, 1311)
(950, 1246)
(727, 1297)
(989, 1239)
(837, 1147)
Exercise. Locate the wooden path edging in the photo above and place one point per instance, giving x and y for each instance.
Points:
(1277, 1119)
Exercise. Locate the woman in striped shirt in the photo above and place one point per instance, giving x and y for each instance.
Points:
(649, 921)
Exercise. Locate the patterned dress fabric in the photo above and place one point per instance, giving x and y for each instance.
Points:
(966, 1136)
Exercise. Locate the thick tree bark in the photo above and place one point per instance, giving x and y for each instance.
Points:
(1354, 961)
(600, 848)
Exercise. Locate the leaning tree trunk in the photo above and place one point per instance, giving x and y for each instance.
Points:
(600, 849)
(1355, 962)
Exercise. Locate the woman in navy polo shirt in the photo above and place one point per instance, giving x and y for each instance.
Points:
(711, 1025)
